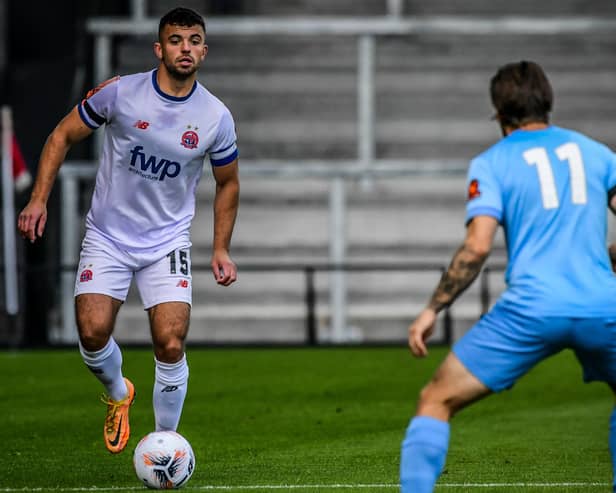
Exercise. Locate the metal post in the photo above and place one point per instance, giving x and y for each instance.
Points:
(366, 140)
(102, 58)
(484, 291)
(70, 255)
(102, 71)
(137, 10)
(337, 255)
(394, 8)
(447, 320)
(8, 215)
(311, 299)
(447, 327)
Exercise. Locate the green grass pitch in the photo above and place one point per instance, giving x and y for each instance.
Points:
(306, 420)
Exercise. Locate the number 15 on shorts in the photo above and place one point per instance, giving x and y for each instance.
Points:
(179, 260)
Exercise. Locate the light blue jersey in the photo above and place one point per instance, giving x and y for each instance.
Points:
(550, 188)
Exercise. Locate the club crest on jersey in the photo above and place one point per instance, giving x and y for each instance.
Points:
(141, 124)
(86, 275)
(473, 189)
(190, 139)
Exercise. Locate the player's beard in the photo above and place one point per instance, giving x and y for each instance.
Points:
(180, 74)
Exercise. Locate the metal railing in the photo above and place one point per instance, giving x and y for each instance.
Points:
(309, 271)
(310, 297)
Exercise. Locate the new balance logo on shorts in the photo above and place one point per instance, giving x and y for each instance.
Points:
(170, 388)
(182, 284)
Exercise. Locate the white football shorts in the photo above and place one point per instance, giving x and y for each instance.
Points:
(161, 276)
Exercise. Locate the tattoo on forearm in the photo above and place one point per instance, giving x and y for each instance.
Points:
(463, 270)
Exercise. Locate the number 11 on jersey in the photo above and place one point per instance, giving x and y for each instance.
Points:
(569, 152)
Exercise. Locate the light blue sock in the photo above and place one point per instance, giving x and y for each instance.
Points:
(424, 450)
(612, 441)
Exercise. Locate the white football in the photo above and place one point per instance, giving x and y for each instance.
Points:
(164, 460)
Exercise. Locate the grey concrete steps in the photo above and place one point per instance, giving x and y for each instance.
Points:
(285, 222)
(504, 7)
(410, 7)
(261, 324)
(338, 54)
(277, 7)
(399, 216)
(269, 220)
(294, 98)
(406, 139)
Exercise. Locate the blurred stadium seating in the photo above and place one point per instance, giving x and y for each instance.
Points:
(294, 97)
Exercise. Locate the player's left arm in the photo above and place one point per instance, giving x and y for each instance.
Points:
(226, 203)
(462, 271)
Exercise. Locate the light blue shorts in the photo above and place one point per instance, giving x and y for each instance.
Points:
(504, 344)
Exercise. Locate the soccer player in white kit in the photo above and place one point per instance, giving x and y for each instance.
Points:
(159, 127)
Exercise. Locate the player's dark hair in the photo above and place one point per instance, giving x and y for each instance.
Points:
(521, 93)
(180, 16)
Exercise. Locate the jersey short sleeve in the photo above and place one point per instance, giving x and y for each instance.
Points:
(96, 107)
(224, 148)
(484, 192)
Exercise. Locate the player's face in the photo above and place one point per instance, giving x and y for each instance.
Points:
(181, 50)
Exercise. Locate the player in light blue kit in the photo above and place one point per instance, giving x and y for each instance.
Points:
(549, 188)
(159, 127)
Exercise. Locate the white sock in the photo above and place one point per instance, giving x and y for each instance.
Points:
(170, 385)
(106, 365)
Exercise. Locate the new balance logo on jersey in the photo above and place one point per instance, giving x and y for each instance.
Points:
(151, 167)
(170, 388)
(140, 124)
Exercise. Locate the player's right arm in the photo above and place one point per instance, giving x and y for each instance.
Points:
(71, 129)
(484, 211)
(464, 268)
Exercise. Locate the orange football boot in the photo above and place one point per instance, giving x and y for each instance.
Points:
(117, 428)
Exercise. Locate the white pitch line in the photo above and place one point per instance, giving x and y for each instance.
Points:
(518, 485)
(311, 486)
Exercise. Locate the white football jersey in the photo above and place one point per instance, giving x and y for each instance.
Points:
(152, 158)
